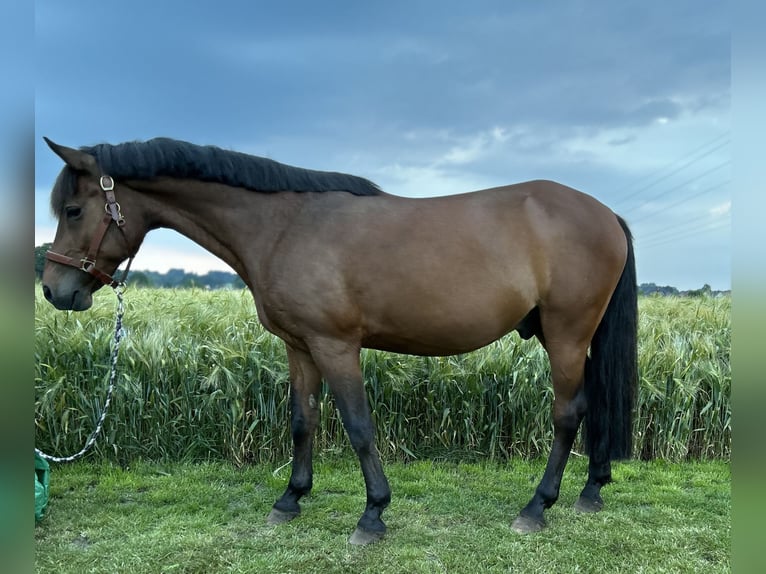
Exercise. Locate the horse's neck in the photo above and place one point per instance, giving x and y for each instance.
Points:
(234, 224)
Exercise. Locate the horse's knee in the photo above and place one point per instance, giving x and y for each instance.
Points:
(361, 434)
(357, 420)
(303, 416)
(301, 427)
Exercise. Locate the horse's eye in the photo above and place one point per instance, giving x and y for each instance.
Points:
(73, 212)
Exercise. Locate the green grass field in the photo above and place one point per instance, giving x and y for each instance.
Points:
(444, 517)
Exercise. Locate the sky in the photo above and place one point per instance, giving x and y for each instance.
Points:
(627, 101)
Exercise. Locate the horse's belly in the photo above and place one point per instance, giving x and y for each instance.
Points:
(439, 338)
(423, 348)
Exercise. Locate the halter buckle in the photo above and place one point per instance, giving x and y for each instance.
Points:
(87, 265)
(107, 183)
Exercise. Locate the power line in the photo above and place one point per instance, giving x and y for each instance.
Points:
(680, 201)
(676, 168)
(705, 218)
(680, 185)
(679, 238)
(683, 234)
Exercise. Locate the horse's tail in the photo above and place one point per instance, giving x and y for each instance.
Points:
(611, 371)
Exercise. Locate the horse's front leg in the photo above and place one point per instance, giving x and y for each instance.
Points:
(339, 363)
(304, 396)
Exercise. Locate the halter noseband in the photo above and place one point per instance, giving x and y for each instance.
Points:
(88, 263)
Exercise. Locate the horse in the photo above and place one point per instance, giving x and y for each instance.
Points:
(335, 264)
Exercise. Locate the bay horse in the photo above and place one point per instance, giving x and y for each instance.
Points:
(335, 264)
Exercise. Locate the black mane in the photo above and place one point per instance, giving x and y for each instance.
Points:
(173, 158)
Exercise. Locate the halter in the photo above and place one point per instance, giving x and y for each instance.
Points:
(88, 263)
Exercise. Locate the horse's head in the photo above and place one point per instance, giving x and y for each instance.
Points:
(91, 239)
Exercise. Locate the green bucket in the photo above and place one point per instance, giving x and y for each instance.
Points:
(42, 480)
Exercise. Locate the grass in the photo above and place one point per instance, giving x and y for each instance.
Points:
(200, 379)
(445, 517)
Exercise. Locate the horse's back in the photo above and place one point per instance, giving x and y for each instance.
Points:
(529, 237)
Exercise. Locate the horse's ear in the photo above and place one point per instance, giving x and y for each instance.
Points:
(74, 158)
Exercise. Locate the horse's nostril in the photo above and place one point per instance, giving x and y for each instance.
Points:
(47, 292)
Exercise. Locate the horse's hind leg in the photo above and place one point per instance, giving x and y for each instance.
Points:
(599, 471)
(304, 393)
(599, 474)
(567, 360)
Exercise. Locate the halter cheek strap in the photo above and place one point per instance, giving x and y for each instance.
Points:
(88, 263)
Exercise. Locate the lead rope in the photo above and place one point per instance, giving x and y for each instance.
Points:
(118, 332)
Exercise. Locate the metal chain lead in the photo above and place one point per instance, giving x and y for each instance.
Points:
(118, 332)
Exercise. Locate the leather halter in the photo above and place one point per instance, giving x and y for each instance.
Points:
(88, 263)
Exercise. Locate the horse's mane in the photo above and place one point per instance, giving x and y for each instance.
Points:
(173, 158)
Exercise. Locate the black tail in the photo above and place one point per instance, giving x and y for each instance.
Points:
(611, 372)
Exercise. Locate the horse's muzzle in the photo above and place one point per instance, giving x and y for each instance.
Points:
(78, 300)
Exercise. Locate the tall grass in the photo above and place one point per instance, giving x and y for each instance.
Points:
(199, 378)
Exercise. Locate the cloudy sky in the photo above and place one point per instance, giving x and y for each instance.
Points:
(627, 101)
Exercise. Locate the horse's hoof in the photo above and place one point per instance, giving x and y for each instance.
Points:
(280, 517)
(588, 505)
(527, 525)
(362, 537)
